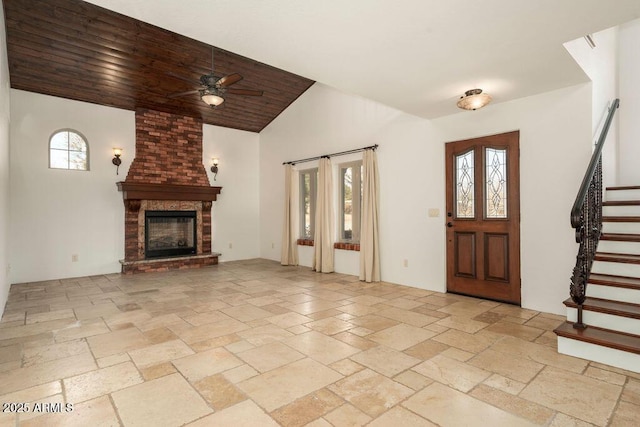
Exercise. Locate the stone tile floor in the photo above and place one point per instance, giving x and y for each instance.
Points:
(251, 343)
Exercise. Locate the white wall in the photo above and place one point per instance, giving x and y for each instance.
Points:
(553, 129)
(324, 121)
(553, 156)
(235, 215)
(629, 79)
(601, 65)
(57, 213)
(5, 95)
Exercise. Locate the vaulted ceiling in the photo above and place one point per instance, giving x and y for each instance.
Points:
(417, 56)
(76, 50)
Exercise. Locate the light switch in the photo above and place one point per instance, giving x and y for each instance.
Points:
(434, 213)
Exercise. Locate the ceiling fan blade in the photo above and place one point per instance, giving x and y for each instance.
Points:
(176, 95)
(246, 92)
(229, 80)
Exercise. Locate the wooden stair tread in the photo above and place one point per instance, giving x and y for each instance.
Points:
(601, 336)
(621, 203)
(625, 187)
(615, 281)
(621, 219)
(620, 237)
(611, 257)
(616, 308)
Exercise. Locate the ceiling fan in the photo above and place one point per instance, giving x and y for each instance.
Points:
(213, 88)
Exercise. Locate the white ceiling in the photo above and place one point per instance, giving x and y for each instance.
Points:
(418, 56)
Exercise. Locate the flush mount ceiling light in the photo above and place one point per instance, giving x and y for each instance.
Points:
(211, 97)
(474, 99)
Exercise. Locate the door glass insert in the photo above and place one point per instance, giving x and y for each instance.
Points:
(465, 206)
(496, 182)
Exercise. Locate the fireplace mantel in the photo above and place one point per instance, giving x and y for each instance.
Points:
(142, 191)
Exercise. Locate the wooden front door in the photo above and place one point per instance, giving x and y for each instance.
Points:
(483, 217)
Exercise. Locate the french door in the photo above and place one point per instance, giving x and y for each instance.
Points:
(483, 217)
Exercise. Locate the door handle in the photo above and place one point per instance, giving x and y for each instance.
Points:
(449, 224)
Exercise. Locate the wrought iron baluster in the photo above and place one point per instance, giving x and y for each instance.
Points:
(586, 219)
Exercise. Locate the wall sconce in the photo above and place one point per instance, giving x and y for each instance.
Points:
(214, 167)
(117, 152)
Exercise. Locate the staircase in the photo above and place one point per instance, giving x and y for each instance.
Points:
(611, 310)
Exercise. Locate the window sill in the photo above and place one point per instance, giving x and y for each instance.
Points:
(346, 246)
(305, 242)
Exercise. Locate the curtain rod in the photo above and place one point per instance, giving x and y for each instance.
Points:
(342, 153)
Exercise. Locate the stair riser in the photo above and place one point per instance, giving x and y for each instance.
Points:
(621, 210)
(621, 227)
(617, 247)
(604, 320)
(616, 269)
(597, 353)
(612, 195)
(613, 293)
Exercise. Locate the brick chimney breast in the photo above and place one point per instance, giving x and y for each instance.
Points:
(168, 150)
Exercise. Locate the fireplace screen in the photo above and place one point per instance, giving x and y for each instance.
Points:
(170, 233)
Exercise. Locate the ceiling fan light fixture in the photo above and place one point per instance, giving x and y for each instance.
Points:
(211, 99)
(474, 99)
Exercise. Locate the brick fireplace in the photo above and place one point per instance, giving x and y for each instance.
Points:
(167, 175)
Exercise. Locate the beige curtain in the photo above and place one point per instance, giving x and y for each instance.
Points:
(323, 236)
(369, 245)
(289, 254)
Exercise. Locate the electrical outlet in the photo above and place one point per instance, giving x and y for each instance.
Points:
(405, 263)
(74, 258)
(230, 245)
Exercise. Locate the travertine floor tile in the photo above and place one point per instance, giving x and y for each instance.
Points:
(385, 360)
(455, 374)
(307, 408)
(167, 401)
(330, 326)
(270, 356)
(283, 385)
(371, 392)
(35, 355)
(117, 342)
(523, 408)
(447, 407)
(264, 334)
(81, 329)
(320, 347)
(219, 392)
(401, 337)
(287, 320)
(101, 382)
(96, 413)
(347, 416)
(513, 367)
(206, 363)
(552, 387)
(45, 372)
(243, 414)
(164, 352)
(50, 315)
(398, 417)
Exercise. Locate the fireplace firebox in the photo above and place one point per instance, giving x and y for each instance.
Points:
(170, 233)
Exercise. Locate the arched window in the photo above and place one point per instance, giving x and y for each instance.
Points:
(68, 149)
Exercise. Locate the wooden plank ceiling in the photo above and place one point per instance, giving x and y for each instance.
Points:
(76, 50)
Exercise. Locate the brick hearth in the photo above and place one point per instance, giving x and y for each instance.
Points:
(166, 174)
